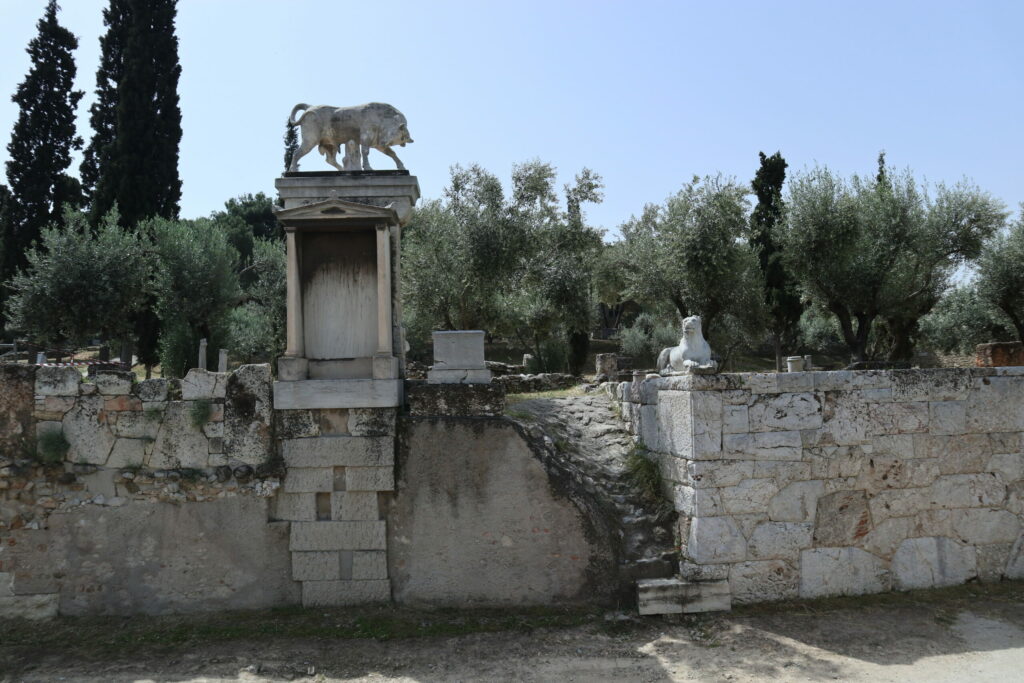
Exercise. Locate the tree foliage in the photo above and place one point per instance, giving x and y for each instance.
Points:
(257, 327)
(516, 266)
(689, 253)
(79, 284)
(42, 141)
(140, 172)
(781, 295)
(1001, 274)
(103, 111)
(961, 320)
(880, 249)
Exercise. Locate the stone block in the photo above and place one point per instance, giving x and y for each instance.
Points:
(460, 349)
(114, 382)
(977, 526)
(700, 573)
(996, 405)
(841, 571)
(296, 424)
(735, 419)
(292, 369)
(316, 566)
(885, 537)
(784, 412)
(455, 400)
(179, 443)
(999, 354)
(991, 560)
(967, 490)
(779, 540)
(796, 502)
(693, 502)
(309, 480)
(763, 445)
(650, 430)
(295, 507)
(57, 381)
(335, 421)
(151, 390)
(458, 376)
(932, 562)
(1007, 466)
(368, 566)
(748, 497)
(792, 382)
(32, 607)
(845, 418)
(708, 474)
(128, 453)
(842, 518)
(138, 424)
(203, 384)
(882, 472)
(343, 593)
(338, 536)
(675, 596)
(898, 418)
(369, 478)
(947, 417)
(87, 432)
(320, 394)
(763, 581)
(940, 384)
(354, 505)
(716, 540)
(782, 471)
(339, 451)
(247, 413)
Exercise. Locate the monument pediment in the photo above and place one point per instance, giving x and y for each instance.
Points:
(337, 210)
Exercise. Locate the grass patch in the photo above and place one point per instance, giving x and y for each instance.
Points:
(644, 476)
(101, 637)
(52, 448)
(519, 414)
(200, 412)
(512, 399)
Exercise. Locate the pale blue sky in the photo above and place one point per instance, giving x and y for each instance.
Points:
(645, 93)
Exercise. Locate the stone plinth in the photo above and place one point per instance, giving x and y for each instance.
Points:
(999, 354)
(396, 189)
(459, 358)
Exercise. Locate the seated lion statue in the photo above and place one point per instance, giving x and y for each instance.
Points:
(693, 353)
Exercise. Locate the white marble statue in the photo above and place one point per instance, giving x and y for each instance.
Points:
(364, 126)
(693, 353)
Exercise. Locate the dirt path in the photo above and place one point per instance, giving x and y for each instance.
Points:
(971, 634)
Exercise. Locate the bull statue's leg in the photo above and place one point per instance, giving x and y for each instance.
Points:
(391, 153)
(305, 148)
(331, 152)
(366, 158)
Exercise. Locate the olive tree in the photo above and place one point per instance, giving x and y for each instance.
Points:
(881, 250)
(1001, 274)
(80, 283)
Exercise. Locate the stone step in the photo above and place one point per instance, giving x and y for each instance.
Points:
(678, 596)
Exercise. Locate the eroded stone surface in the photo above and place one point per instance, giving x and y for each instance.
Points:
(932, 562)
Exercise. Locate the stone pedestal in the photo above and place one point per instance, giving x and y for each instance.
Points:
(459, 358)
(341, 375)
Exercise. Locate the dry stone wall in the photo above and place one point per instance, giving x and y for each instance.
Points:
(839, 483)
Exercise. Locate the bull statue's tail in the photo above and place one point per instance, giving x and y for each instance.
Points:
(292, 121)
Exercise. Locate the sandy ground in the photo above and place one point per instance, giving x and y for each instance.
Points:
(937, 636)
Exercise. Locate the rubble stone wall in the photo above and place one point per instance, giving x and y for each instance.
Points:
(839, 483)
(82, 461)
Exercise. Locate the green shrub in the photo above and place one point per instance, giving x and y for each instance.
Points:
(200, 412)
(53, 447)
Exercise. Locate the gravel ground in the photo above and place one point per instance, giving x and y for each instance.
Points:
(973, 633)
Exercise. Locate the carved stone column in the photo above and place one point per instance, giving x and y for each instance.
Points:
(385, 365)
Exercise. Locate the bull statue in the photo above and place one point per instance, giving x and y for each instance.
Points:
(358, 128)
(693, 353)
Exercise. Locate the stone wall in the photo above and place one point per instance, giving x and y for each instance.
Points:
(839, 483)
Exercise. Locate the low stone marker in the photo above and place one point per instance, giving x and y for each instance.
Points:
(459, 358)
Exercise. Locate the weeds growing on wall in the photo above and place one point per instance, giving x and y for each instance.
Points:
(200, 412)
(645, 477)
(52, 448)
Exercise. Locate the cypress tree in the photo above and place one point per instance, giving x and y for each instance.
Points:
(140, 173)
(42, 141)
(103, 112)
(291, 144)
(780, 291)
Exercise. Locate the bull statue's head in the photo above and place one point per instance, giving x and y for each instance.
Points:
(402, 138)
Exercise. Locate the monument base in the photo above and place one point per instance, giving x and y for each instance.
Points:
(313, 394)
